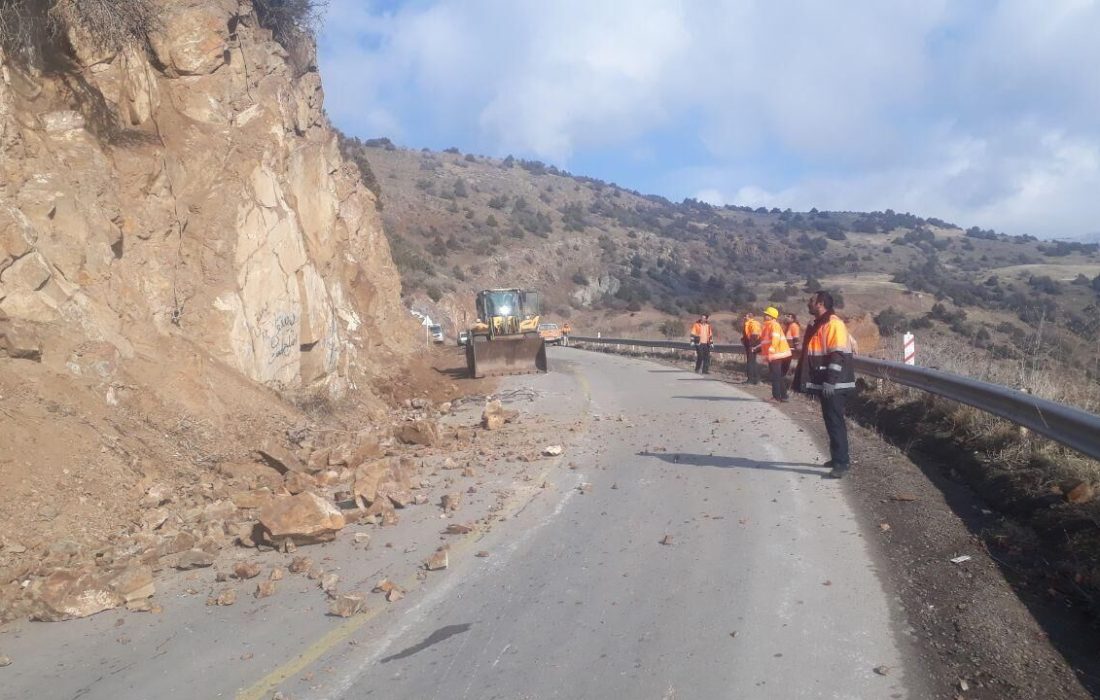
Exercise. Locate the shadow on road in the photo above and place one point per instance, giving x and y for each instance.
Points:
(715, 398)
(696, 460)
(667, 371)
(435, 638)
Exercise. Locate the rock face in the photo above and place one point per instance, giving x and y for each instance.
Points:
(203, 196)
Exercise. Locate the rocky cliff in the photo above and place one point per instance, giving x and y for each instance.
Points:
(188, 271)
(192, 187)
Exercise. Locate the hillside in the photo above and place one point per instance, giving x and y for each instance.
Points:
(612, 259)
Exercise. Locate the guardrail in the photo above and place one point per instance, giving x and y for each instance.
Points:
(1067, 425)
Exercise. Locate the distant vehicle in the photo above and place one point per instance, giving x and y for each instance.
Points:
(463, 337)
(436, 333)
(550, 332)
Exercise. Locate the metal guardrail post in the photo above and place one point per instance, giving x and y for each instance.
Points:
(1072, 427)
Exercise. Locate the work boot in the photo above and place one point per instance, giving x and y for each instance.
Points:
(837, 472)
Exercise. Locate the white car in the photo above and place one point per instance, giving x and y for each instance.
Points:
(436, 333)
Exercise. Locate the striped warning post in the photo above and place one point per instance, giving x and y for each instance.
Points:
(910, 349)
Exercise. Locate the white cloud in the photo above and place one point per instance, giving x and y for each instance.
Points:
(981, 115)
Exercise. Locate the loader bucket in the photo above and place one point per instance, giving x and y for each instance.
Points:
(506, 355)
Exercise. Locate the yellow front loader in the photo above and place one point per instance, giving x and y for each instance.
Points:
(505, 339)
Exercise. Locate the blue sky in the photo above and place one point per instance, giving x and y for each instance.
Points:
(974, 111)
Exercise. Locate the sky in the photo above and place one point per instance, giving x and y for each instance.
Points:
(977, 112)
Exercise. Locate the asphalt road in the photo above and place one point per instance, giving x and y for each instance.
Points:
(685, 546)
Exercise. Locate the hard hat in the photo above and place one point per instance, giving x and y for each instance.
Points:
(771, 311)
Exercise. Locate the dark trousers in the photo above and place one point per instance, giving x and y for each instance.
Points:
(778, 377)
(752, 370)
(832, 410)
(786, 365)
(702, 358)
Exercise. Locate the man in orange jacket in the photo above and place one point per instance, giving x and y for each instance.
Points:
(826, 370)
(773, 346)
(750, 338)
(702, 337)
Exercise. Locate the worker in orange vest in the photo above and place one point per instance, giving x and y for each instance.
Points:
(702, 337)
(826, 370)
(750, 338)
(794, 339)
(566, 329)
(775, 350)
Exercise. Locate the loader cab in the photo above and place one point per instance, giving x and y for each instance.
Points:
(507, 311)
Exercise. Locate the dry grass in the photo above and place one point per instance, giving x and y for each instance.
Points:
(34, 32)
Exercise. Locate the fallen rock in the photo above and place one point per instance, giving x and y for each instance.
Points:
(458, 529)
(1081, 493)
(279, 458)
(300, 565)
(552, 450)
(418, 432)
(17, 340)
(362, 538)
(329, 583)
(347, 605)
(67, 594)
(437, 561)
(305, 518)
(250, 500)
(277, 574)
(134, 583)
(492, 418)
(297, 482)
(398, 496)
(264, 589)
(395, 595)
(482, 554)
(243, 570)
(386, 586)
(228, 596)
(381, 478)
(451, 502)
(194, 559)
(904, 497)
(5, 661)
(667, 539)
(383, 510)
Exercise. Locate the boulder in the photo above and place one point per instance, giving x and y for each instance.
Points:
(418, 432)
(67, 594)
(296, 482)
(492, 418)
(279, 458)
(305, 518)
(134, 583)
(195, 559)
(19, 341)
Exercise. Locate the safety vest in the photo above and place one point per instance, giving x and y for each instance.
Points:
(751, 328)
(773, 344)
(827, 357)
(703, 331)
(794, 334)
